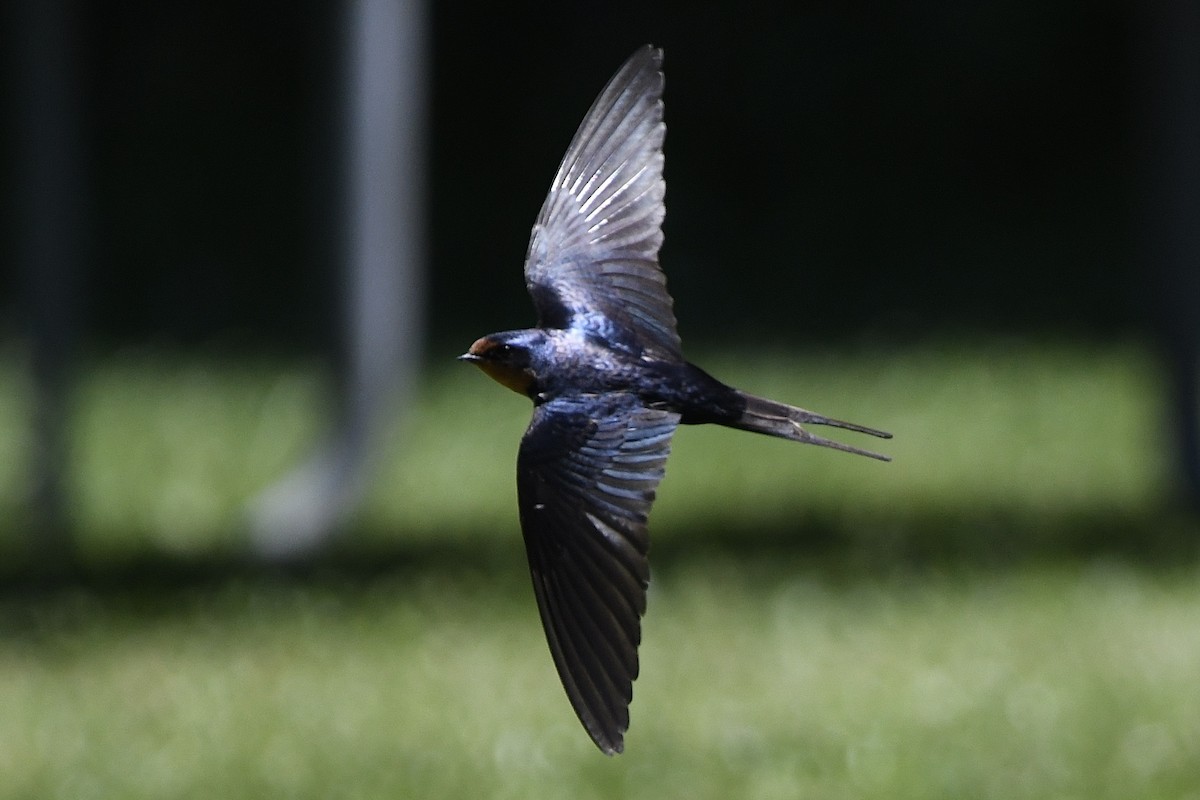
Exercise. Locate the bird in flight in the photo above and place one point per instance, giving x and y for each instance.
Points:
(609, 385)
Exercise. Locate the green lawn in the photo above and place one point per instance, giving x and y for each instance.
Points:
(760, 679)
(978, 619)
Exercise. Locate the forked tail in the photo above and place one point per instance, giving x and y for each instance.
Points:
(779, 419)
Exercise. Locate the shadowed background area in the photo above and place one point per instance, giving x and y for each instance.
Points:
(970, 225)
(932, 165)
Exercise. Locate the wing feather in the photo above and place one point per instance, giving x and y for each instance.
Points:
(587, 473)
(593, 255)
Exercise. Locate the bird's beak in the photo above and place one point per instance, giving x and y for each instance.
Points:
(468, 357)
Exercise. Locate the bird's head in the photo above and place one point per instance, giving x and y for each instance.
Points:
(506, 357)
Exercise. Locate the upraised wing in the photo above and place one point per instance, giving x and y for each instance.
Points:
(586, 476)
(593, 255)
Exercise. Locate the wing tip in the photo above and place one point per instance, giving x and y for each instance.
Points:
(611, 743)
(646, 58)
(653, 54)
(616, 748)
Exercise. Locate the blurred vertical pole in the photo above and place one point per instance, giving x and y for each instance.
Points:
(50, 243)
(382, 222)
(1171, 143)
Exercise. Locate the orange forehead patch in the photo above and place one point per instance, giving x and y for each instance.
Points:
(481, 346)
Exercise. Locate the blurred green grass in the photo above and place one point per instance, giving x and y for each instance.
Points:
(773, 666)
(761, 679)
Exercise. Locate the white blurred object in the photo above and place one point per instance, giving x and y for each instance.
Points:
(383, 219)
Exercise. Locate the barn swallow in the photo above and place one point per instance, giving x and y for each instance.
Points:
(609, 385)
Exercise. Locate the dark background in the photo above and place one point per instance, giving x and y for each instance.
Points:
(874, 172)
